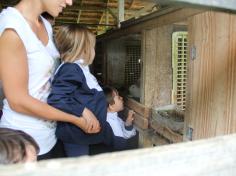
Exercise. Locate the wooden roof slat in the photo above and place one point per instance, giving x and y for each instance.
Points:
(93, 11)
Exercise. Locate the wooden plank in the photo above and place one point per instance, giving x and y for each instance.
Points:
(149, 138)
(149, 56)
(144, 138)
(140, 121)
(121, 11)
(166, 132)
(138, 108)
(157, 66)
(159, 140)
(211, 93)
(199, 158)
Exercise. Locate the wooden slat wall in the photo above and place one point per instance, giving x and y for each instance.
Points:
(149, 138)
(157, 75)
(211, 97)
(166, 132)
(149, 43)
(157, 70)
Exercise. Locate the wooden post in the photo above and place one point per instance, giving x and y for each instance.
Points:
(211, 93)
(157, 69)
(121, 9)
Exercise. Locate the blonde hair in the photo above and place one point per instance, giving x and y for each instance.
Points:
(74, 42)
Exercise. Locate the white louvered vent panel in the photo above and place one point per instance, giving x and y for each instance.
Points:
(179, 64)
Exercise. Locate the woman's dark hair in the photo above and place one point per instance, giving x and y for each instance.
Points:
(13, 145)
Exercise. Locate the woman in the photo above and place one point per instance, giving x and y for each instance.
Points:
(27, 57)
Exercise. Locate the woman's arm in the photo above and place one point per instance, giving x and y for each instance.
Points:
(14, 76)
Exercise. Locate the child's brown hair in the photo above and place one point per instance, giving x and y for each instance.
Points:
(109, 94)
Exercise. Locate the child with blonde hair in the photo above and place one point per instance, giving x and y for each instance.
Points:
(76, 91)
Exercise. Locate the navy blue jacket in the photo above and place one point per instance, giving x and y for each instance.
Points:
(116, 142)
(70, 93)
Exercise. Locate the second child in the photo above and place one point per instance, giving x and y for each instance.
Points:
(121, 135)
(122, 130)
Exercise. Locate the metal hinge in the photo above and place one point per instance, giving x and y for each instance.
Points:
(193, 52)
(189, 134)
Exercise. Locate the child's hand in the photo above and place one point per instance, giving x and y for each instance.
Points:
(130, 118)
(91, 123)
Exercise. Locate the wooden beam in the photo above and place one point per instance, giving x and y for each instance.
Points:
(145, 10)
(224, 5)
(104, 14)
(114, 11)
(107, 13)
(131, 4)
(149, 138)
(140, 121)
(112, 14)
(107, 17)
(106, 3)
(80, 11)
(161, 18)
(166, 132)
(211, 157)
(84, 7)
(121, 11)
(138, 108)
(101, 28)
(102, 6)
(58, 23)
(78, 18)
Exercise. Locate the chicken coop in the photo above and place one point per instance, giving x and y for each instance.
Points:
(173, 61)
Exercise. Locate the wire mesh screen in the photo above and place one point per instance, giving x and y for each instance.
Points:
(132, 66)
(179, 63)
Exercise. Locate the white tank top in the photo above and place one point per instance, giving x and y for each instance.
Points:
(41, 65)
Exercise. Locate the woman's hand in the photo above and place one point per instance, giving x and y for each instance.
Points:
(90, 122)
